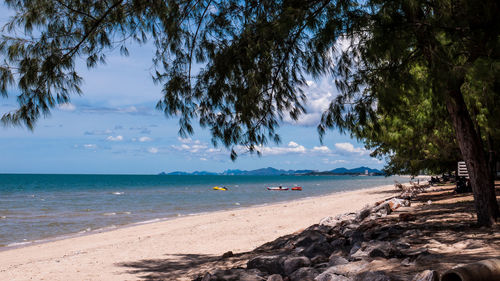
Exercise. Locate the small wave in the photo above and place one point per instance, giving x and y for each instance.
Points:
(118, 193)
(3, 217)
(109, 214)
(237, 204)
(126, 213)
(16, 244)
(148, 221)
(104, 228)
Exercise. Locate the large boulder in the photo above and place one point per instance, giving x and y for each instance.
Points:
(318, 249)
(336, 260)
(294, 263)
(375, 249)
(309, 237)
(237, 274)
(269, 264)
(304, 274)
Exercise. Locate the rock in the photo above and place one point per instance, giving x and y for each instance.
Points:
(237, 274)
(416, 252)
(426, 275)
(325, 276)
(346, 217)
(321, 266)
(336, 260)
(275, 277)
(227, 255)
(319, 259)
(339, 243)
(361, 215)
(382, 236)
(269, 264)
(372, 276)
(318, 249)
(354, 249)
(375, 248)
(348, 269)
(294, 263)
(307, 238)
(356, 237)
(407, 262)
(304, 274)
(328, 221)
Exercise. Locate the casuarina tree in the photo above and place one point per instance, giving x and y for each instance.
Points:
(252, 59)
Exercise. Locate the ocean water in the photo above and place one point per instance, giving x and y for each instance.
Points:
(38, 207)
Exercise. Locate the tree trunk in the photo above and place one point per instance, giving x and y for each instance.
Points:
(473, 153)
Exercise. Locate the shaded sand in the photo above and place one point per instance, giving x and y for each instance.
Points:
(177, 249)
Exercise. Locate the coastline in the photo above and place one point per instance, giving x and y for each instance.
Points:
(17, 245)
(208, 234)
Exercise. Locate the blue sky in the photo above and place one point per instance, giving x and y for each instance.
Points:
(115, 128)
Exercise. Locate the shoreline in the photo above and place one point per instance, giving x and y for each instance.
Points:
(18, 245)
(208, 234)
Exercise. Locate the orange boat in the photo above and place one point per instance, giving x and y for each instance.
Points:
(299, 188)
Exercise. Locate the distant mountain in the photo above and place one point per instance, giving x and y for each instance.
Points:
(354, 171)
(269, 171)
(339, 171)
(195, 173)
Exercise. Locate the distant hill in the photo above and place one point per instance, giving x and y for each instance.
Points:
(269, 171)
(195, 173)
(354, 171)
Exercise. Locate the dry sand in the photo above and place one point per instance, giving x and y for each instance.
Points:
(136, 252)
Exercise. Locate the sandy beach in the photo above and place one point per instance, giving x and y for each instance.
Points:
(118, 254)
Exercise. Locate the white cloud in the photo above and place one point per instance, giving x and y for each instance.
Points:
(153, 150)
(321, 149)
(348, 147)
(117, 138)
(145, 139)
(189, 145)
(188, 140)
(90, 146)
(67, 107)
(203, 159)
(292, 147)
(318, 98)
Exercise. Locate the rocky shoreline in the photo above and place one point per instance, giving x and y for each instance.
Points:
(379, 242)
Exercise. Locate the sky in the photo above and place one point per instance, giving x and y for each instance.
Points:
(114, 128)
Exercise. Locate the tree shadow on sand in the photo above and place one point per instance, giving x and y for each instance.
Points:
(187, 266)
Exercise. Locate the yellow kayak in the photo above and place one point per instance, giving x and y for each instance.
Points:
(223, 188)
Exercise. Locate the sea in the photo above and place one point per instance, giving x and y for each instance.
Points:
(36, 208)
